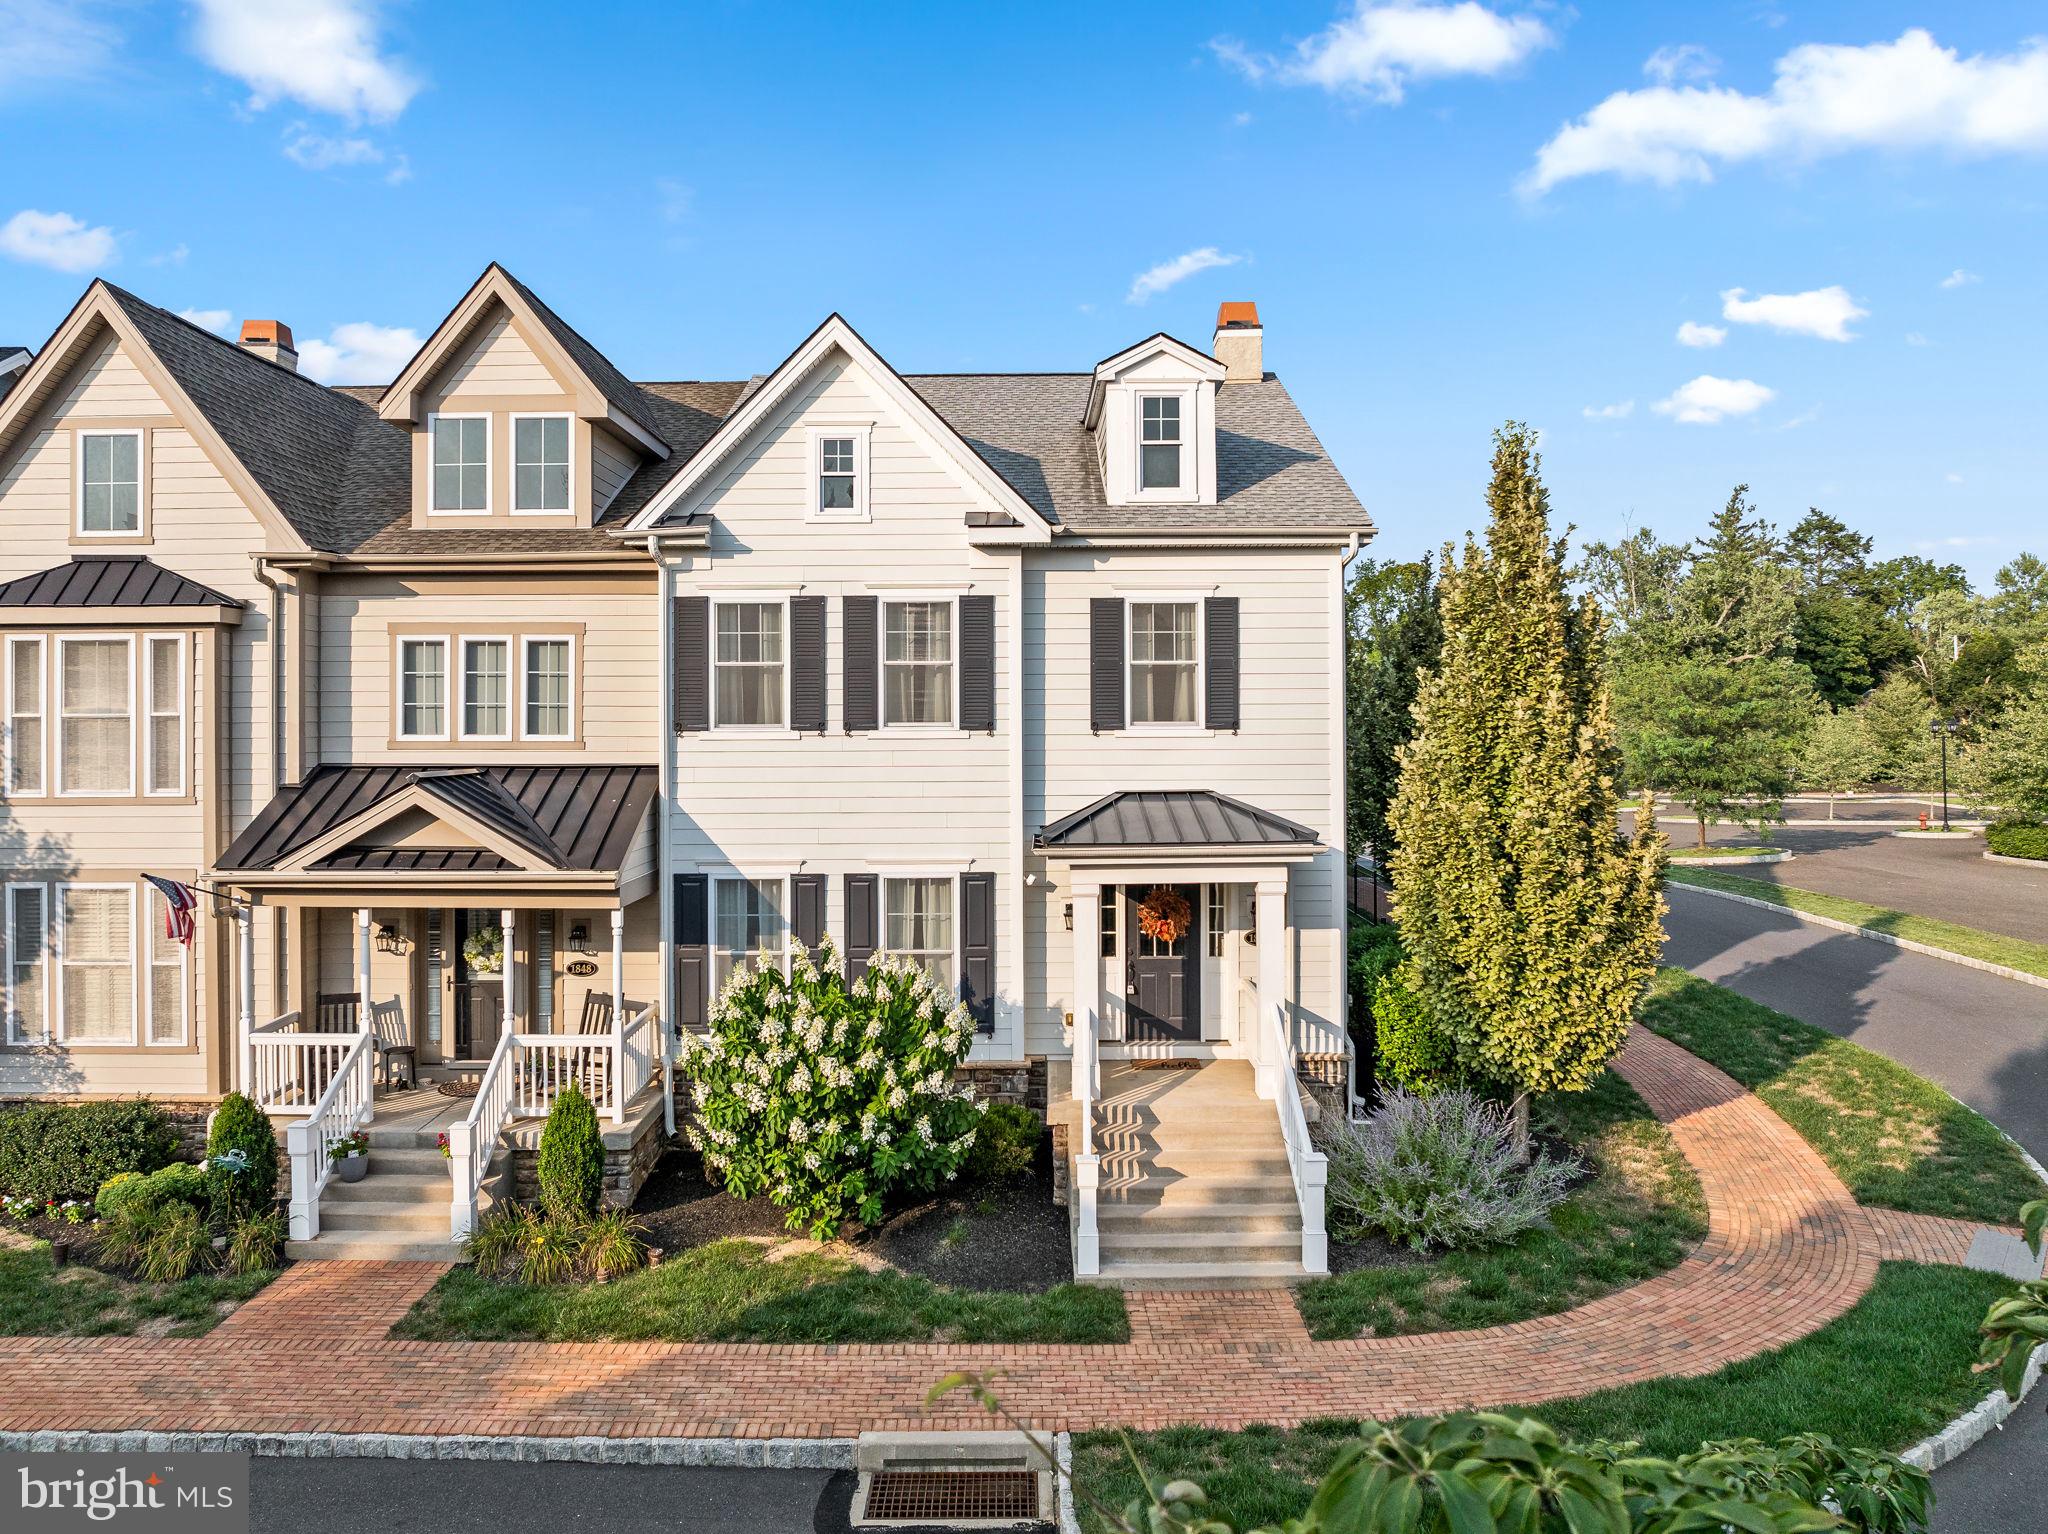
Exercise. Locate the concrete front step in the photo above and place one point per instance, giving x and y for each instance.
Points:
(1207, 1247)
(386, 1218)
(383, 1186)
(1183, 1138)
(1190, 1275)
(1221, 1221)
(1189, 1165)
(1157, 1191)
(359, 1247)
(413, 1160)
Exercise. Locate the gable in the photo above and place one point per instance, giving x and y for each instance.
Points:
(495, 362)
(106, 384)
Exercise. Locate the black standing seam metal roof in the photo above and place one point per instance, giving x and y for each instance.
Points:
(582, 819)
(110, 580)
(1160, 818)
(430, 860)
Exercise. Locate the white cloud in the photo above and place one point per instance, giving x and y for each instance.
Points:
(1157, 279)
(53, 42)
(1804, 418)
(1240, 119)
(324, 54)
(1620, 412)
(400, 172)
(1825, 313)
(1915, 338)
(1953, 478)
(318, 151)
(1686, 61)
(58, 241)
(359, 352)
(1828, 99)
(1708, 400)
(1378, 49)
(1692, 333)
(1960, 279)
(209, 319)
(175, 256)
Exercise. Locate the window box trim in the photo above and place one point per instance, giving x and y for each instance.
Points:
(138, 533)
(816, 432)
(512, 446)
(1134, 599)
(398, 649)
(57, 950)
(127, 791)
(434, 417)
(146, 717)
(775, 599)
(460, 720)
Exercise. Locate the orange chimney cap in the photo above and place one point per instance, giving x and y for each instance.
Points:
(267, 333)
(1238, 314)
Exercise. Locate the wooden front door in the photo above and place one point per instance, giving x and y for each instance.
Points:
(479, 999)
(1162, 981)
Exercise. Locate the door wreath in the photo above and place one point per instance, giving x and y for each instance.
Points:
(1164, 915)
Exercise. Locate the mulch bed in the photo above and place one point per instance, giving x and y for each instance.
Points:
(1013, 1237)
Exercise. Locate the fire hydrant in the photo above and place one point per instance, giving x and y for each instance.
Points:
(1923, 820)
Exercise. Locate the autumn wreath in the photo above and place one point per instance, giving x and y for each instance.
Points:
(1165, 915)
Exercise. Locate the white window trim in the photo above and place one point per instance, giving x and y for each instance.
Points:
(748, 599)
(526, 640)
(435, 416)
(952, 877)
(134, 744)
(448, 663)
(146, 717)
(145, 945)
(860, 431)
(901, 595)
(512, 445)
(14, 1034)
(15, 645)
(460, 719)
(58, 924)
(1189, 488)
(731, 875)
(140, 528)
(1195, 726)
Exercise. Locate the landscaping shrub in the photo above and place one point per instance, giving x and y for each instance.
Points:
(1005, 1145)
(611, 1242)
(179, 1244)
(179, 1183)
(66, 1150)
(2017, 839)
(1413, 1052)
(539, 1247)
(241, 1153)
(828, 1097)
(571, 1157)
(255, 1242)
(1437, 1171)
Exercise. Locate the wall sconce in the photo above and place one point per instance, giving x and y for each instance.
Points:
(579, 937)
(1070, 916)
(390, 939)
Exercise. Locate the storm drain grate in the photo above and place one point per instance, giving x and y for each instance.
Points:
(952, 1496)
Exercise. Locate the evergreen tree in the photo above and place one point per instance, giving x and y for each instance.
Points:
(1725, 739)
(1838, 758)
(1532, 925)
(1736, 602)
(1826, 556)
(1394, 637)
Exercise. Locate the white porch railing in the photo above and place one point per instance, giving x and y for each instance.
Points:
(341, 1109)
(1276, 1078)
(471, 1142)
(290, 1068)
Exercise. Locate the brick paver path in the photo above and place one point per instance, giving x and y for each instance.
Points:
(1787, 1251)
(1926, 1237)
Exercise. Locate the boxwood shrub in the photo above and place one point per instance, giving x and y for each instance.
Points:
(66, 1150)
(571, 1168)
(239, 1125)
(2018, 839)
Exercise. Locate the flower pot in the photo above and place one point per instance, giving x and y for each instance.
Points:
(353, 1167)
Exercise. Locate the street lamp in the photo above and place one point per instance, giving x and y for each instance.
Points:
(1943, 728)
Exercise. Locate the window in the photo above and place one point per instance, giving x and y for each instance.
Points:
(544, 972)
(96, 733)
(747, 664)
(462, 474)
(109, 483)
(164, 738)
(1159, 442)
(167, 960)
(839, 472)
(422, 689)
(540, 463)
(917, 663)
(835, 474)
(485, 712)
(1109, 901)
(25, 716)
(547, 689)
(28, 967)
(917, 923)
(748, 926)
(1163, 663)
(1215, 920)
(96, 963)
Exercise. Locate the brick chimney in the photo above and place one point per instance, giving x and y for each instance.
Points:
(1240, 342)
(271, 340)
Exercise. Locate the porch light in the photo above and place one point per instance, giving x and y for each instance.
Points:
(579, 937)
(1070, 916)
(389, 939)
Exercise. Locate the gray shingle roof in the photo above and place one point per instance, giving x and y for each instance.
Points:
(1172, 818)
(110, 580)
(624, 396)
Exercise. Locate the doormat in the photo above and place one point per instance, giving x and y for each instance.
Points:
(1166, 1065)
(460, 1086)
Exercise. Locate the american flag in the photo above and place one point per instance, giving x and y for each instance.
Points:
(179, 904)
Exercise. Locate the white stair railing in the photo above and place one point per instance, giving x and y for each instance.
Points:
(1307, 1165)
(289, 1067)
(641, 1037)
(472, 1141)
(343, 1108)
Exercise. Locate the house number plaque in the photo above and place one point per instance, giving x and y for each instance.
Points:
(582, 967)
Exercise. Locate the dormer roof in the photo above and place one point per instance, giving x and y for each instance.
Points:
(1159, 344)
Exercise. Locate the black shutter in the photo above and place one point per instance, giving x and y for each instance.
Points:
(691, 918)
(807, 913)
(1106, 663)
(978, 949)
(860, 701)
(862, 923)
(807, 663)
(978, 663)
(1219, 662)
(691, 656)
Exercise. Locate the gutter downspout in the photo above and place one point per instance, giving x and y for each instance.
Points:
(664, 582)
(272, 671)
(1351, 548)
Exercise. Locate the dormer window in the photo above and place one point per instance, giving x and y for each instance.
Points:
(839, 473)
(462, 463)
(1159, 445)
(540, 463)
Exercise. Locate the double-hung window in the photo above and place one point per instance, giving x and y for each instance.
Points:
(168, 959)
(423, 689)
(25, 715)
(461, 479)
(836, 479)
(1159, 442)
(164, 737)
(917, 923)
(839, 472)
(1164, 662)
(486, 680)
(749, 926)
(540, 463)
(748, 665)
(547, 698)
(96, 963)
(28, 963)
(96, 705)
(917, 662)
(109, 483)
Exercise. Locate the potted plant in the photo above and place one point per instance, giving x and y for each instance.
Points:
(351, 1156)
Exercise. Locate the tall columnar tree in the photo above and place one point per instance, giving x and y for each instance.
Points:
(1531, 923)
(1394, 636)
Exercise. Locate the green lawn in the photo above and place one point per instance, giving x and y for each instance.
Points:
(730, 1292)
(1882, 1376)
(1638, 1216)
(37, 1300)
(1895, 1138)
(1992, 947)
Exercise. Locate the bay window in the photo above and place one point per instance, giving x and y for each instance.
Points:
(748, 926)
(917, 924)
(917, 662)
(748, 664)
(96, 706)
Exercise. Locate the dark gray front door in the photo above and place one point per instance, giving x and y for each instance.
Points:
(479, 999)
(1162, 981)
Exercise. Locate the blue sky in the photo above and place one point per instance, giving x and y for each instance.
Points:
(1448, 214)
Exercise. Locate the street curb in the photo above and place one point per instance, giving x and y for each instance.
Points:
(1063, 1463)
(1974, 1425)
(1938, 836)
(1752, 861)
(2039, 865)
(2004, 971)
(747, 1453)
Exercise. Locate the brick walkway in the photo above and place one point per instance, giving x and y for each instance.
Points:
(1787, 1250)
(1925, 1237)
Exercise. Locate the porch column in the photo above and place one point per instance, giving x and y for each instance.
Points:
(1269, 1039)
(363, 970)
(1087, 1014)
(508, 924)
(245, 935)
(621, 1079)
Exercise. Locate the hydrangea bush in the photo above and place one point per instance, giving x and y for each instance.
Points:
(827, 1097)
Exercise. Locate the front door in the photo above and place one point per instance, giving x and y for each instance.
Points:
(478, 997)
(1162, 980)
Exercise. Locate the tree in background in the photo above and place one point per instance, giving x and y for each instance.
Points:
(1390, 608)
(1899, 723)
(1532, 926)
(1838, 758)
(2009, 766)
(2021, 602)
